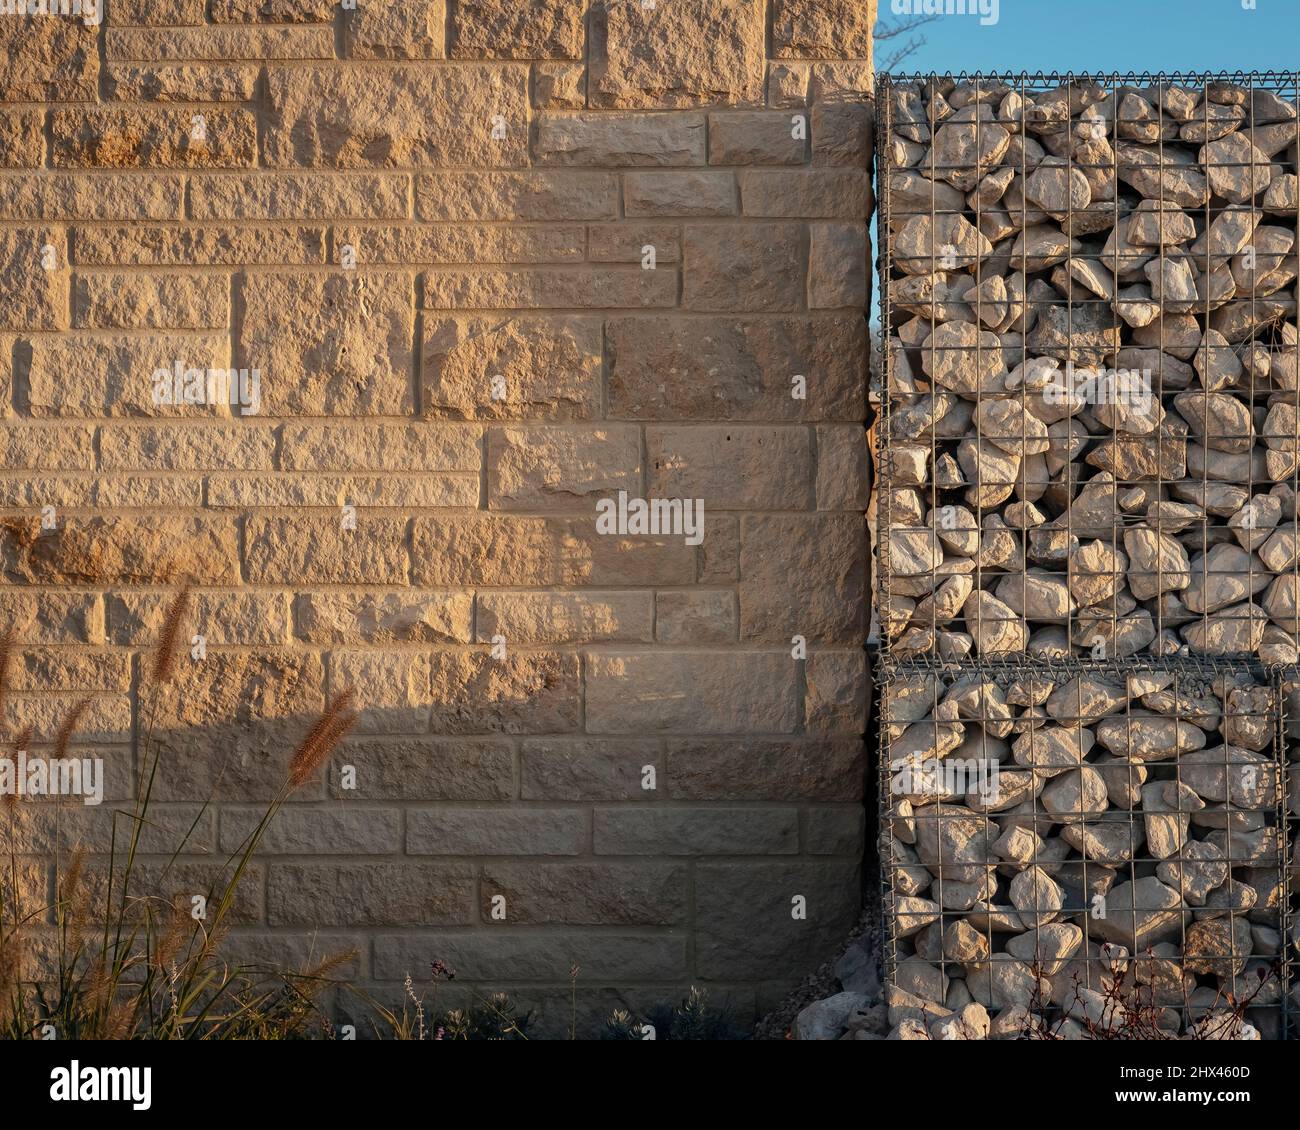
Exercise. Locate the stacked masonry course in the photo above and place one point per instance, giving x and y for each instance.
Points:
(1088, 543)
(382, 210)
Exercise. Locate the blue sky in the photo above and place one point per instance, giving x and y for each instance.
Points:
(1109, 35)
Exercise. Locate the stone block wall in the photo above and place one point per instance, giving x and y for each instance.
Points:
(481, 264)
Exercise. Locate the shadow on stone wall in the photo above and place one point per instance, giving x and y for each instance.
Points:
(472, 791)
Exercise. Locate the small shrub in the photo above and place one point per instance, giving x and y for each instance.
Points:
(691, 1019)
(489, 1018)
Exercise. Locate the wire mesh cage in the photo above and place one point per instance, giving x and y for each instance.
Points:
(1089, 441)
(1085, 852)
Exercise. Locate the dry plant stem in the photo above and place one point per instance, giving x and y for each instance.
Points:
(183, 991)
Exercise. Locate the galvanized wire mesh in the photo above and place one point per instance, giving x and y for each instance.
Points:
(1090, 443)
(1087, 853)
(1089, 464)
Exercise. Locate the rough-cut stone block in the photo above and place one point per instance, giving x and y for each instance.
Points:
(425, 769)
(169, 888)
(61, 617)
(842, 82)
(28, 445)
(212, 138)
(181, 83)
(460, 244)
(135, 301)
(107, 718)
(44, 830)
(687, 194)
(843, 134)
(298, 830)
(300, 949)
(273, 11)
(787, 85)
(33, 279)
(370, 894)
(46, 58)
(691, 692)
(561, 468)
(587, 769)
(550, 368)
(744, 920)
(803, 576)
(308, 196)
(504, 550)
(49, 197)
(835, 693)
(718, 769)
(215, 245)
(365, 617)
(535, 956)
(164, 13)
(34, 669)
(843, 467)
(218, 44)
(565, 618)
(230, 688)
(415, 29)
(540, 195)
(38, 491)
(291, 491)
(604, 140)
(742, 267)
(524, 693)
(696, 831)
(319, 549)
(559, 86)
(836, 831)
(502, 832)
(162, 447)
(393, 117)
(689, 616)
(116, 373)
(665, 368)
(329, 344)
(586, 894)
(732, 468)
(678, 53)
(764, 138)
(136, 619)
(22, 138)
(806, 194)
(379, 447)
(235, 757)
(147, 492)
(390, 689)
(579, 288)
(504, 29)
(628, 243)
(822, 29)
(837, 266)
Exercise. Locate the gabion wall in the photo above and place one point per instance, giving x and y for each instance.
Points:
(1089, 551)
